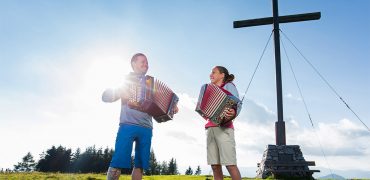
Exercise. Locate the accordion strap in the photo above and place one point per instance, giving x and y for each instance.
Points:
(224, 90)
(228, 93)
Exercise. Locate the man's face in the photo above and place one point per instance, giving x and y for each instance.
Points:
(140, 65)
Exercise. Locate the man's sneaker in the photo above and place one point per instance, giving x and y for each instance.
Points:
(113, 173)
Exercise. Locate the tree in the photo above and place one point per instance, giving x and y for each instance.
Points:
(189, 171)
(198, 171)
(27, 164)
(172, 167)
(91, 161)
(164, 168)
(107, 156)
(55, 160)
(75, 157)
(154, 168)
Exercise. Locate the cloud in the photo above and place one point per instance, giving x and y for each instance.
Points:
(256, 113)
(182, 136)
(292, 97)
(186, 101)
(344, 138)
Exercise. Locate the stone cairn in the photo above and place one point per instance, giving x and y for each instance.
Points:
(284, 161)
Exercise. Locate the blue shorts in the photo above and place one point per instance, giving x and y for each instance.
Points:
(126, 136)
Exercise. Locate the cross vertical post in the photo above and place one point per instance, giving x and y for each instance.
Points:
(280, 124)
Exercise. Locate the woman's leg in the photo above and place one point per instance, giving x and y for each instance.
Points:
(217, 172)
(234, 172)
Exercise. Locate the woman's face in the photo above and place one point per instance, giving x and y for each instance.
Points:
(216, 77)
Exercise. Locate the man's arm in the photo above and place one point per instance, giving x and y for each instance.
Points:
(111, 95)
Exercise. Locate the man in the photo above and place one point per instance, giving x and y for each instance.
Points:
(135, 126)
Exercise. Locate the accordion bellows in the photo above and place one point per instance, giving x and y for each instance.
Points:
(213, 102)
(152, 97)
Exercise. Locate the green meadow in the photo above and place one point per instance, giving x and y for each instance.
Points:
(71, 176)
(65, 176)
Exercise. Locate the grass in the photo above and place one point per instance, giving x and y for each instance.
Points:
(66, 176)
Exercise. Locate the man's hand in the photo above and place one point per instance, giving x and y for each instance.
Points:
(123, 93)
(175, 110)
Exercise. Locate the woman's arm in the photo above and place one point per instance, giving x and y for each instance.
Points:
(232, 89)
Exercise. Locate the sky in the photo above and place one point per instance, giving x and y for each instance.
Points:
(57, 57)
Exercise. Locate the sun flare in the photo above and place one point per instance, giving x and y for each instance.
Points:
(107, 72)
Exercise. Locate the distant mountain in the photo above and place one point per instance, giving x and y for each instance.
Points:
(331, 176)
(348, 173)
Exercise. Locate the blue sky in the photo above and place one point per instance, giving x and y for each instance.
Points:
(57, 57)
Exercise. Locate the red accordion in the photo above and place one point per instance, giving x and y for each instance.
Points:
(153, 97)
(213, 102)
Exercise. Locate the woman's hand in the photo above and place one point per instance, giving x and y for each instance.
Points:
(230, 114)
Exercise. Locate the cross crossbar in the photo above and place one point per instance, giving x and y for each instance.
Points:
(282, 19)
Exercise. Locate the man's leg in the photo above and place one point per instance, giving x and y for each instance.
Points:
(137, 174)
(142, 152)
(217, 172)
(122, 155)
(234, 172)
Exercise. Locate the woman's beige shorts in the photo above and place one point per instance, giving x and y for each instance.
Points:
(221, 146)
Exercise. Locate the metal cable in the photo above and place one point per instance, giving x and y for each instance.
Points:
(305, 105)
(255, 70)
(327, 83)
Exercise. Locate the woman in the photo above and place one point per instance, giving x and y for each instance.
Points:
(220, 139)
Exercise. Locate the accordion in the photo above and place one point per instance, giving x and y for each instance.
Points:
(213, 103)
(153, 97)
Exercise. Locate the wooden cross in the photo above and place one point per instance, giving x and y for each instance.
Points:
(276, 20)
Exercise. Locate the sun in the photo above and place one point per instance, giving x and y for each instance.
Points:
(106, 72)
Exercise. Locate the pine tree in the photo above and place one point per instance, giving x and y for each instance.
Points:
(55, 160)
(74, 160)
(164, 168)
(172, 167)
(92, 161)
(107, 157)
(76, 155)
(154, 168)
(198, 171)
(27, 164)
(189, 171)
